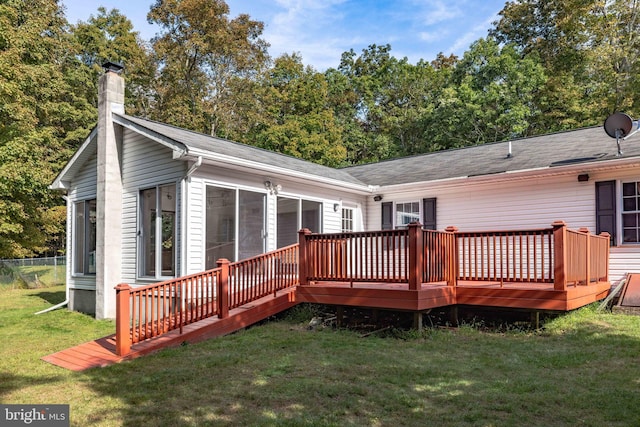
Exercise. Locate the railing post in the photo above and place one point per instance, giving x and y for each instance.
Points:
(452, 262)
(416, 256)
(123, 328)
(587, 235)
(303, 266)
(559, 255)
(223, 288)
(606, 266)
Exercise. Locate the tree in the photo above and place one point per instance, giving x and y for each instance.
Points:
(109, 36)
(589, 50)
(39, 115)
(201, 51)
(295, 115)
(491, 96)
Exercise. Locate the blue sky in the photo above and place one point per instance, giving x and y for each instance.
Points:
(321, 30)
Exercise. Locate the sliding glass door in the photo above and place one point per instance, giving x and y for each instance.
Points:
(234, 224)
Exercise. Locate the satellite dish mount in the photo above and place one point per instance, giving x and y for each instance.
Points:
(619, 126)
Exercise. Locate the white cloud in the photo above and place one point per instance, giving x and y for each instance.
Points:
(474, 34)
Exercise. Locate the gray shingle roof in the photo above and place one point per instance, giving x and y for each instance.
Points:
(552, 150)
(201, 142)
(582, 146)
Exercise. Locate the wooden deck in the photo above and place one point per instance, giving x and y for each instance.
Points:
(531, 296)
(553, 269)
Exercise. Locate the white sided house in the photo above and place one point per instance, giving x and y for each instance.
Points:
(147, 201)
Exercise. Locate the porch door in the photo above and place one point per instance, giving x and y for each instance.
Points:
(287, 226)
(221, 225)
(251, 227)
(234, 224)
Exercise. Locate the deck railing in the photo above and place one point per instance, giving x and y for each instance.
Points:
(553, 255)
(585, 256)
(506, 256)
(408, 255)
(152, 310)
(370, 256)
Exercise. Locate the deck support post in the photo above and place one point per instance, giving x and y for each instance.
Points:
(123, 329)
(303, 254)
(535, 320)
(416, 256)
(339, 316)
(417, 320)
(559, 255)
(453, 315)
(223, 289)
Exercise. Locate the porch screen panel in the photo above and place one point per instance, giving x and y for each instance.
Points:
(312, 216)
(287, 221)
(220, 225)
(251, 231)
(148, 202)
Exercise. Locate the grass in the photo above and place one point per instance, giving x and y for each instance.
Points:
(31, 276)
(581, 369)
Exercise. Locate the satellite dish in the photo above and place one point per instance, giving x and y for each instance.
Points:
(618, 125)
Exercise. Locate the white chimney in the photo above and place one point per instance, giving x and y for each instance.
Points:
(109, 192)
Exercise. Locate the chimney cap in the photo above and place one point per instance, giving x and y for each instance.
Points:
(114, 67)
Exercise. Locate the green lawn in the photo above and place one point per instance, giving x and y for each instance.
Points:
(582, 369)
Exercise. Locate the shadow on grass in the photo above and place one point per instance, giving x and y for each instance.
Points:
(10, 382)
(283, 375)
(51, 297)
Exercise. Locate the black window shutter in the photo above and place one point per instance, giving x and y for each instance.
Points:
(606, 208)
(429, 214)
(387, 216)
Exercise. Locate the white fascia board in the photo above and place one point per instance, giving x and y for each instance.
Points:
(179, 149)
(546, 171)
(270, 170)
(61, 182)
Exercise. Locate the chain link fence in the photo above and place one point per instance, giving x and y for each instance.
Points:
(33, 272)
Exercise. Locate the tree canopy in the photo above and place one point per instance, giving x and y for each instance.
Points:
(544, 66)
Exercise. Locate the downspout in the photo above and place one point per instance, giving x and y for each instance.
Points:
(66, 299)
(183, 214)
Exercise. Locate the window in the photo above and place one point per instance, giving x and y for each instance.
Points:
(347, 220)
(406, 213)
(158, 231)
(294, 214)
(631, 212)
(84, 244)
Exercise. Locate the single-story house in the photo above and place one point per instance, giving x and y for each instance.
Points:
(147, 201)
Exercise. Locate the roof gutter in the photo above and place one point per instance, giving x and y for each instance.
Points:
(256, 166)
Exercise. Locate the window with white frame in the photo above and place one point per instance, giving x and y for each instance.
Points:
(157, 247)
(84, 243)
(347, 220)
(631, 212)
(406, 213)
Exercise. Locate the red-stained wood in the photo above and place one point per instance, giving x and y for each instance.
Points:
(411, 269)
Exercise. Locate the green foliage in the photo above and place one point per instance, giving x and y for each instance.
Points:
(546, 66)
(39, 120)
(295, 118)
(201, 51)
